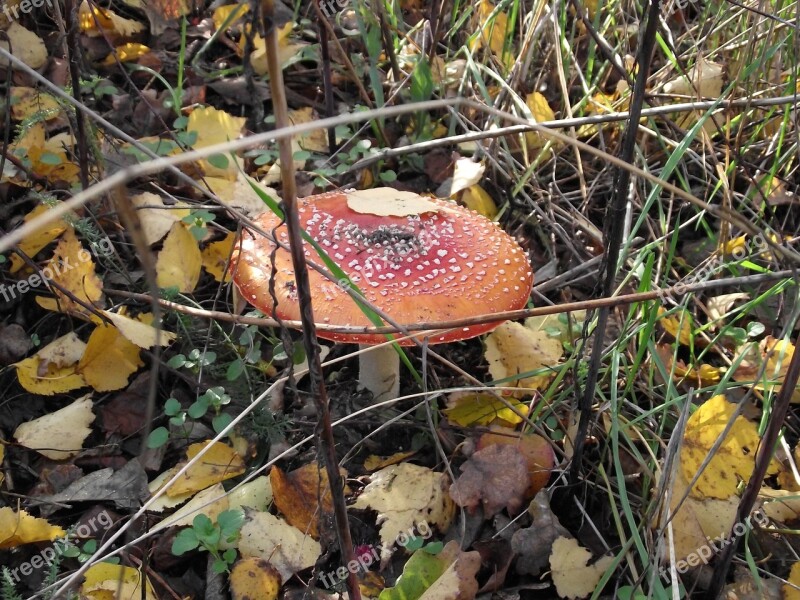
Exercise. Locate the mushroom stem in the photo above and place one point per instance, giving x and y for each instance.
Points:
(379, 371)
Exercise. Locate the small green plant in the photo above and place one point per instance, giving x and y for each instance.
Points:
(198, 220)
(214, 398)
(212, 537)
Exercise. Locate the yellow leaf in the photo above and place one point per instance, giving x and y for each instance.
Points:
(705, 76)
(95, 21)
(72, 267)
(469, 408)
(733, 460)
(34, 243)
(47, 157)
(60, 434)
(216, 256)
(27, 102)
(777, 353)
(512, 349)
(222, 13)
(25, 45)
(680, 320)
(116, 582)
(209, 502)
(178, 263)
(287, 50)
(239, 194)
(541, 112)
(212, 127)
(254, 579)
(53, 370)
(493, 26)
(142, 334)
(218, 464)
(477, 199)
(572, 575)
(374, 462)
(313, 141)
(109, 360)
(126, 53)
(791, 589)
(156, 217)
(17, 528)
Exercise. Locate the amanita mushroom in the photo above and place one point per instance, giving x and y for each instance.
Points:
(417, 259)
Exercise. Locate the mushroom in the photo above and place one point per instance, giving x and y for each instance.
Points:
(417, 259)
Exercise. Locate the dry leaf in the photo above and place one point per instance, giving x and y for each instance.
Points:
(36, 241)
(466, 173)
(705, 76)
(53, 370)
(493, 26)
(512, 349)
(215, 258)
(129, 52)
(213, 127)
(286, 548)
(255, 494)
(209, 502)
(178, 263)
(25, 45)
(96, 21)
(106, 581)
(477, 199)
(18, 528)
(541, 111)
(777, 353)
(218, 464)
(60, 434)
(458, 581)
(474, 408)
(156, 221)
(240, 195)
(734, 459)
(537, 452)
(424, 499)
(533, 545)
(495, 477)
(27, 102)
(572, 575)
(791, 589)
(110, 359)
(297, 495)
(141, 334)
(254, 579)
(389, 202)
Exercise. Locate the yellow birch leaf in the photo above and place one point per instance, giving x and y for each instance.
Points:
(179, 262)
(680, 320)
(116, 582)
(27, 102)
(732, 462)
(254, 578)
(213, 127)
(95, 21)
(541, 111)
(222, 13)
(477, 199)
(791, 589)
(493, 27)
(25, 45)
(126, 53)
(18, 528)
(313, 141)
(470, 408)
(33, 243)
(287, 50)
(216, 256)
(142, 334)
(47, 157)
(209, 502)
(109, 360)
(53, 370)
(58, 435)
(512, 349)
(218, 464)
(572, 575)
(72, 267)
(157, 218)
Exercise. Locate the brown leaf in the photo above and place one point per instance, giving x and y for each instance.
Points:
(497, 476)
(298, 494)
(533, 544)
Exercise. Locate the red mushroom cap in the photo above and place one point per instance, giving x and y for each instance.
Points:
(417, 259)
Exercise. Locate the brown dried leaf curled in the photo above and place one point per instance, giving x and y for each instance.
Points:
(496, 476)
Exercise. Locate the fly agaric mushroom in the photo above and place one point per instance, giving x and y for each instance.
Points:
(417, 259)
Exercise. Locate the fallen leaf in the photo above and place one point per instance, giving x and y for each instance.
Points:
(513, 349)
(705, 76)
(495, 477)
(240, 195)
(106, 581)
(534, 544)
(389, 202)
(73, 269)
(474, 408)
(255, 494)
(28, 102)
(141, 334)
(288, 50)
(424, 499)
(449, 575)
(60, 434)
(733, 460)
(213, 127)
(776, 353)
(313, 141)
(178, 263)
(541, 112)
(297, 495)
(791, 589)
(374, 462)
(254, 578)
(466, 173)
(477, 199)
(156, 217)
(54, 369)
(537, 452)
(218, 464)
(25, 45)
(95, 22)
(222, 13)
(492, 25)
(129, 52)
(109, 360)
(209, 502)
(286, 548)
(36, 241)
(18, 528)
(572, 575)
(215, 258)
(679, 325)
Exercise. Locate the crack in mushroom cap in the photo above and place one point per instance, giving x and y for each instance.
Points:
(439, 265)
